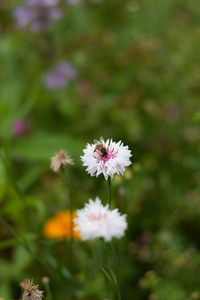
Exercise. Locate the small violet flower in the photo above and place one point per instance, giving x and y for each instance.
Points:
(107, 157)
(97, 221)
(60, 76)
(73, 2)
(38, 15)
(42, 2)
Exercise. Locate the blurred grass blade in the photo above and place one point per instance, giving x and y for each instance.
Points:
(110, 279)
(22, 243)
(112, 275)
(7, 243)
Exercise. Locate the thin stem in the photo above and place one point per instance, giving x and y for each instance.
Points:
(109, 191)
(67, 182)
(47, 287)
(97, 254)
(112, 251)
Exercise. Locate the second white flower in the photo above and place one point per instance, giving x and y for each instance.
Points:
(97, 221)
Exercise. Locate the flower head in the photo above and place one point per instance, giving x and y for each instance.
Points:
(31, 291)
(42, 2)
(107, 157)
(37, 14)
(59, 226)
(73, 2)
(19, 127)
(60, 75)
(60, 160)
(96, 220)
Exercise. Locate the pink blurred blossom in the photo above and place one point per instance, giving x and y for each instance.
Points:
(19, 127)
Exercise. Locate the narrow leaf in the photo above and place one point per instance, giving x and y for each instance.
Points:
(113, 275)
(110, 278)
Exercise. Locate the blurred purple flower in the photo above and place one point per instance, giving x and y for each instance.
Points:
(37, 14)
(73, 2)
(19, 127)
(60, 76)
(42, 2)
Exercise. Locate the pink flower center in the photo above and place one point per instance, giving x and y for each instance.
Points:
(111, 153)
(99, 217)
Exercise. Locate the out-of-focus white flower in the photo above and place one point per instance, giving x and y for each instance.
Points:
(60, 160)
(96, 220)
(107, 157)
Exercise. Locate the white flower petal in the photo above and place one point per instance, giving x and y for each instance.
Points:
(96, 220)
(118, 157)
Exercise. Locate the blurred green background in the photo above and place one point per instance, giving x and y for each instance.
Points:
(132, 75)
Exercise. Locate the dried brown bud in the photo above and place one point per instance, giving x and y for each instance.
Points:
(60, 160)
(31, 291)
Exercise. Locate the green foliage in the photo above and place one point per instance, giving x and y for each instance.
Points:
(138, 81)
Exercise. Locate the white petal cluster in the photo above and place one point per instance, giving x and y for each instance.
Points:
(97, 221)
(118, 157)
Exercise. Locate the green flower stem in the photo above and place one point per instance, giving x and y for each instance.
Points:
(97, 255)
(109, 191)
(112, 251)
(67, 182)
(45, 281)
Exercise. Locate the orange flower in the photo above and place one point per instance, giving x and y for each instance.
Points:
(59, 226)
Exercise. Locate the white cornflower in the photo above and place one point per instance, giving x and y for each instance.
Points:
(31, 291)
(106, 157)
(96, 220)
(60, 160)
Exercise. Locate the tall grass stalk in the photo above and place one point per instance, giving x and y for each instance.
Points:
(112, 251)
(67, 183)
(109, 192)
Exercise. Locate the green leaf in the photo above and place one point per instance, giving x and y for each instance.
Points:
(42, 146)
(196, 116)
(113, 275)
(60, 269)
(7, 243)
(110, 278)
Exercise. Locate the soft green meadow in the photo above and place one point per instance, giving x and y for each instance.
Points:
(121, 69)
